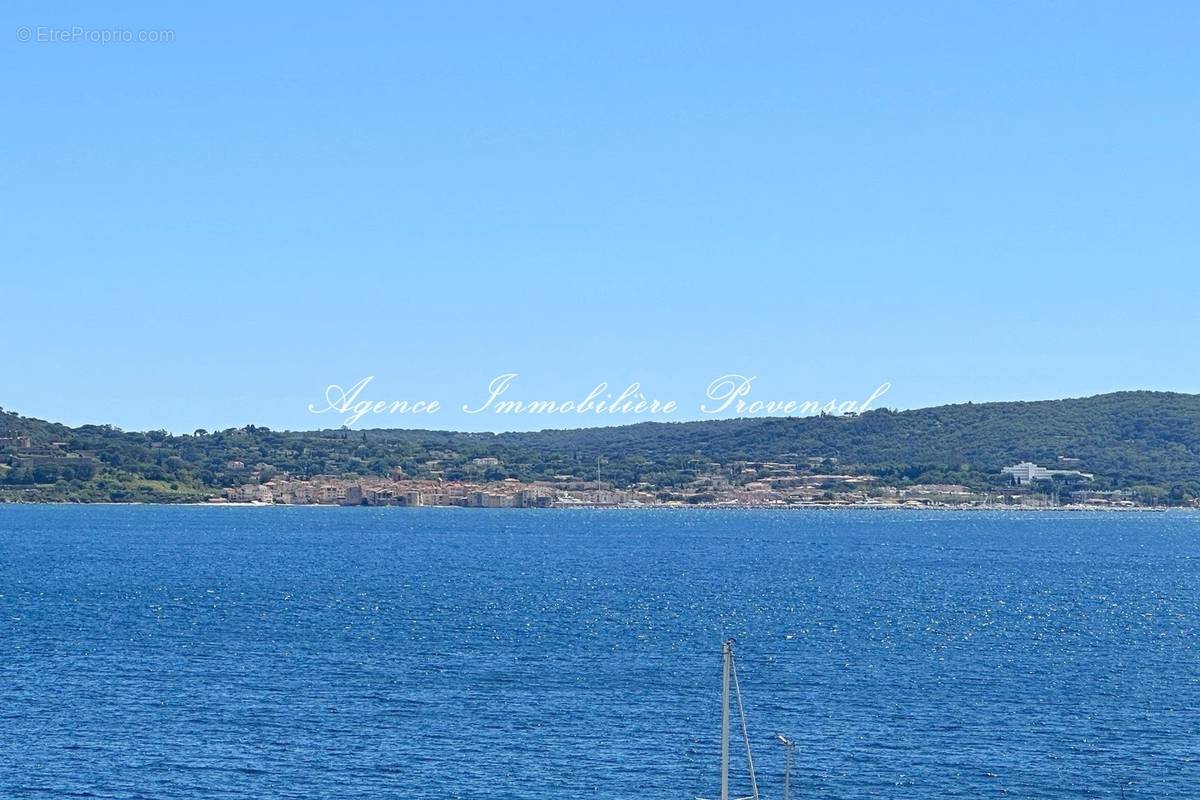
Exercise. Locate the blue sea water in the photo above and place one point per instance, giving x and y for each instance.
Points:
(172, 652)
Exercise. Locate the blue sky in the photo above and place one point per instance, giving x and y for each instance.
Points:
(971, 201)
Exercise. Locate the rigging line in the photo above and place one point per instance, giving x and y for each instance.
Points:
(737, 690)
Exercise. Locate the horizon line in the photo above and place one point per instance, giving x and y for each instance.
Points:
(714, 419)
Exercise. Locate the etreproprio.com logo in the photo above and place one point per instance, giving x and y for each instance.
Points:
(78, 34)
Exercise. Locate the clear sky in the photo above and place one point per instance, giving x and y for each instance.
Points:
(973, 201)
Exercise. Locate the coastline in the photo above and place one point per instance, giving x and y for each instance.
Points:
(831, 507)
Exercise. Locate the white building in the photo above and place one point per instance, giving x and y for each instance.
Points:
(1027, 472)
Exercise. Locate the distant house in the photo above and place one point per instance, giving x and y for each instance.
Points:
(330, 494)
(1027, 472)
(488, 500)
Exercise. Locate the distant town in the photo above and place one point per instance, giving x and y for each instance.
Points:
(744, 484)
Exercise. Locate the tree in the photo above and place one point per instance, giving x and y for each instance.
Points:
(1148, 493)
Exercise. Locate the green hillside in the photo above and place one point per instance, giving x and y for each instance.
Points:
(1124, 439)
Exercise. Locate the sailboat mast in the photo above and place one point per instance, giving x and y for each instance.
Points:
(728, 662)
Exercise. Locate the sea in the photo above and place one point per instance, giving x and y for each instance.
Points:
(292, 652)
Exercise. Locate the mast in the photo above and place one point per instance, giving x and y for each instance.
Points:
(788, 744)
(729, 678)
(727, 652)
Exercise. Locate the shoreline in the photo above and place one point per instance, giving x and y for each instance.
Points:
(884, 507)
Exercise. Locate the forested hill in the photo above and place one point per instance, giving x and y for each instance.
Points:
(1124, 438)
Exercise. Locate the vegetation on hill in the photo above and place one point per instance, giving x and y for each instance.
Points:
(1126, 439)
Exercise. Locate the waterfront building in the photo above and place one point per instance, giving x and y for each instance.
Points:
(1026, 472)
